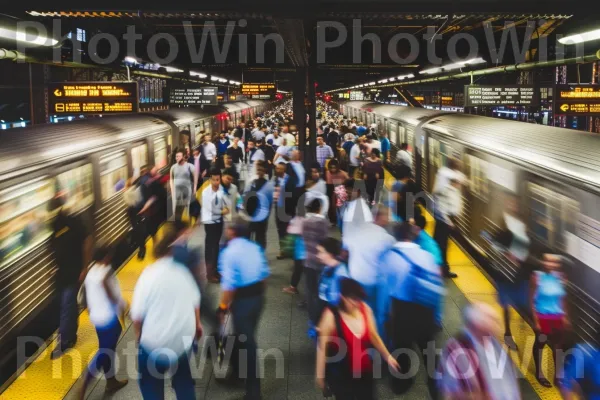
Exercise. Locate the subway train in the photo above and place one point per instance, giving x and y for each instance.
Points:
(89, 159)
(552, 173)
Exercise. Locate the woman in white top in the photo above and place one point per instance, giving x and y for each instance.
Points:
(105, 305)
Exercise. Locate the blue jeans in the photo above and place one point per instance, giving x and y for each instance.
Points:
(69, 314)
(153, 366)
(108, 336)
(246, 314)
(378, 302)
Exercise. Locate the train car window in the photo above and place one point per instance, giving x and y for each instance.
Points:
(207, 126)
(113, 173)
(78, 188)
(393, 134)
(24, 217)
(160, 152)
(139, 158)
(401, 134)
(410, 139)
(434, 151)
(477, 169)
(446, 152)
(551, 215)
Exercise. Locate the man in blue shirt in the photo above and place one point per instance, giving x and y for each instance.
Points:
(425, 241)
(385, 147)
(244, 269)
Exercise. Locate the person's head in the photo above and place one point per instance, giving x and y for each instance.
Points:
(375, 154)
(420, 221)
(285, 129)
(143, 170)
(405, 232)
(315, 172)
(206, 138)
(196, 152)
(103, 253)
(333, 166)
(454, 164)
(222, 136)
(511, 204)
(270, 142)
(242, 125)
(280, 169)
(352, 189)
(276, 133)
(352, 295)
(455, 181)
(227, 176)
(314, 206)
(163, 247)
(369, 138)
(481, 320)
(329, 251)
(236, 141)
(261, 168)
(404, 146)
(383, 134)
(551, 262)
(179, 156)
(251, 144)
(215, 178)
(382, 216)
(227, 161)
(295, 155)
(320, 141)
(238, 229)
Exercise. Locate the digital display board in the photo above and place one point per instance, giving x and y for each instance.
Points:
(357, 95)
(513, 95)
(259, 91)
(581, 100)
(193, 95)
(92, 97)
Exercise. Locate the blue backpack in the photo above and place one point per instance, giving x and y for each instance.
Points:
(425, 287)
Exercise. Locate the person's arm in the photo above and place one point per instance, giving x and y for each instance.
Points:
(199, 329)
(325, 328)
(227, 271)
(377, 342)
(87, 257)
(114, 298)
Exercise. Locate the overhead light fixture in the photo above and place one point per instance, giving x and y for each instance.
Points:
(580, 37)
(21, 36)
(130, 60)
(198, 74)
(402, 77)
(371, 83)
(383, 81)
(434, 70)
(173, 69)
(222, 80)
(215, 78)
(392, 79)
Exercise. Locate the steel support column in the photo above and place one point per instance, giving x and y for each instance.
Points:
(299, 108)
(311, 109)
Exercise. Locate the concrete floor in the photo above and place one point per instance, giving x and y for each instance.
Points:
(290, 355)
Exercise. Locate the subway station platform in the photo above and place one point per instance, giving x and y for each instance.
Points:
(288, 354)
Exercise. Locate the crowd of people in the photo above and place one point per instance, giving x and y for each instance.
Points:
(374, 279)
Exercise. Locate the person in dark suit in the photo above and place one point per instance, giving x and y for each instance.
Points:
(297, 174)
(243, 133)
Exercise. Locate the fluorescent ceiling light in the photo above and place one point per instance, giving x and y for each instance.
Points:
(173, 69)
(580, 37)
(21, 36)
(198, 74)
(213, 78)
(391, 79)
(130, 60)
(434, 70)
(371, 83)
(402, 77)
(222, 80)
(383, 81)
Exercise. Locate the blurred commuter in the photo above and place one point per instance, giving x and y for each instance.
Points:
(255, 154)
(582, 373)
(385, 147)
(416, 289)
(134, 201)
(448, 206)
(71, 243)
(473, 364)
(283, 203)
(209, 150)
(105, 305)
(166, 317)
(222, 145)
(352, 323)
(214, 207)
(298, 176)
(404, 159)
(372, 174)
(244, 269)
(425, 241)
(182, 178)
(154, 210)
(259, 198)
(236, 152)
(269, 151)
(228, 165)
(324, 152)
(201, 166)
(329, 254)
(332, 139)
(334, 178)
(354, 157)
(356, 210)
(404, 193)
(551, 321)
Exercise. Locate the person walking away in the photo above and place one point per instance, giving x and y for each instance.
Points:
(214, 207)
(105, 305)
(283, 203)
(182, 178)
(329, 254)
(244, 270)
(200, 167)
(324, 152)
(267, 148)
(448, 206)
(333, 139)
(351, 323)
(416, 290)
(549, 310)
(134, 201)
(71, 243)
(297, 174)
(258, 200)
(166, 317)
(582, 372)
(334, 177)
(473, 364)
(314, 229)
(404, 159)
(372, 174)
(385, 147)
(355, 157)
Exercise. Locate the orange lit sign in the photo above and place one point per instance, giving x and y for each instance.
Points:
(92, 97)
(577, 100)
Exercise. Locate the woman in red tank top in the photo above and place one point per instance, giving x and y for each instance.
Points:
(352, 324)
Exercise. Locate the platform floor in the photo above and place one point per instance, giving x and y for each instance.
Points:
(289, 364)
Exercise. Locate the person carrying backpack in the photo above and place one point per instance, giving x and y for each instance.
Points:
(416, 290)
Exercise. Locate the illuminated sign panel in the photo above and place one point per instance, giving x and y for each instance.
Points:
(193, 95)
(357, 95)
(92, 97)
(259, 91)
(514, 95)
(577, 100)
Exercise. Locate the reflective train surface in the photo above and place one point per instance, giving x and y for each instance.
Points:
(553, 173)
(89, 159)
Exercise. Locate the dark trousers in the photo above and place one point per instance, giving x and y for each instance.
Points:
(104, 360)
(349, 388)
(351, 171)
(69, 314)
(153, 367)
(211, 246)
(179, 212)
(331, 213)
(371, 186)
(413, 324)
(258, 232)
(441, 235)
(281, 231)
(246, 314)
(311, 280)
(297, 274)
(138, 229)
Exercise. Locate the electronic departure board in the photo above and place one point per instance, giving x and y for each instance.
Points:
(92, 97)
(581, 100)
(193, 95)
(259, 91)
(514, 95)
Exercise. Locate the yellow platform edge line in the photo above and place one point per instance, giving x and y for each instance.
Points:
(477, 288)
(46, 379)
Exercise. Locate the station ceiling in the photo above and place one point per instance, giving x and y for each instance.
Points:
(303, 28)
